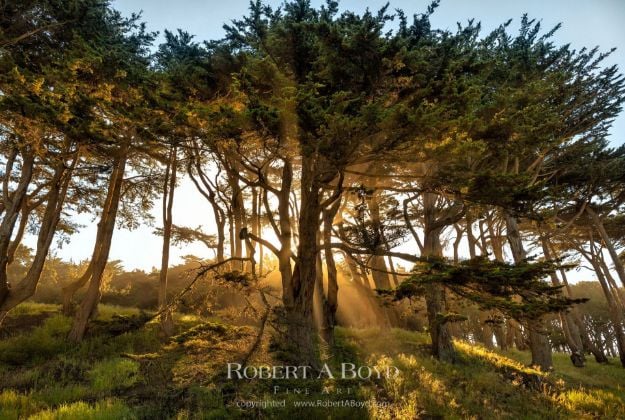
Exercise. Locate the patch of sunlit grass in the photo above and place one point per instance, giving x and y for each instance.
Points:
(106, 312)
(594, 403)
(110, 409)
(494, 358)
(188, 318)
(14, 405)
(34, 308)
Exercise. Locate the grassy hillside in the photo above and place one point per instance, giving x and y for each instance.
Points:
(137, 375)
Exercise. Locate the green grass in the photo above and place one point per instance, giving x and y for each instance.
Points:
(34, 308)
(109, 409)
(113, 374)
(485, 383)
(41, 343)
(139, 375)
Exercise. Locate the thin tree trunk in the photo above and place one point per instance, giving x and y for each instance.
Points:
(470, 237)
(259, 231)
(379, 271)
(618, 265)
(51, 216)
(19, 235)
(538, 340)
(587, 344)
(391, 267)
(616, 313)
(284, 231)
(331, 298)
(13, 204)
(208, 191)
(169, 186)
(486, 333)
(571, 333)
(500, 335)
(495, 241)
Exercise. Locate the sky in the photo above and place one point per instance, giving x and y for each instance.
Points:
(584, 24)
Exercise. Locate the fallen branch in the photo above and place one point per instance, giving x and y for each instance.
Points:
(211, 267)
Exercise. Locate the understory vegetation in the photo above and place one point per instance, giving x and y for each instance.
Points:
(138, 375)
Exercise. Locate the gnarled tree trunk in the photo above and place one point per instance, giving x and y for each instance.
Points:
(51, 216)
(89, 304)
(298, 301)
(442, 345)
(70, 290)
(12, 204)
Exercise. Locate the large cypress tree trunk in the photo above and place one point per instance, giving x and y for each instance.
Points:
(70, 290)
(92, 297)
(539, 345)
(538, 340)
(442, 345)
(284, 231)
(299, 305)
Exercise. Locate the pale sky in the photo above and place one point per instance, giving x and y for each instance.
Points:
(585, 23)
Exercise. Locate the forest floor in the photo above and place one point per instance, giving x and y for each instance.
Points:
(138, 375)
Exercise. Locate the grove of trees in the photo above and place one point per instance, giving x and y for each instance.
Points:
(338, 146)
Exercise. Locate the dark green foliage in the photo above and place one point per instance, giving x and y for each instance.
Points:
(236, 278)
(119, 324)
(516, 193)
(517, 290)
(387, 231)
